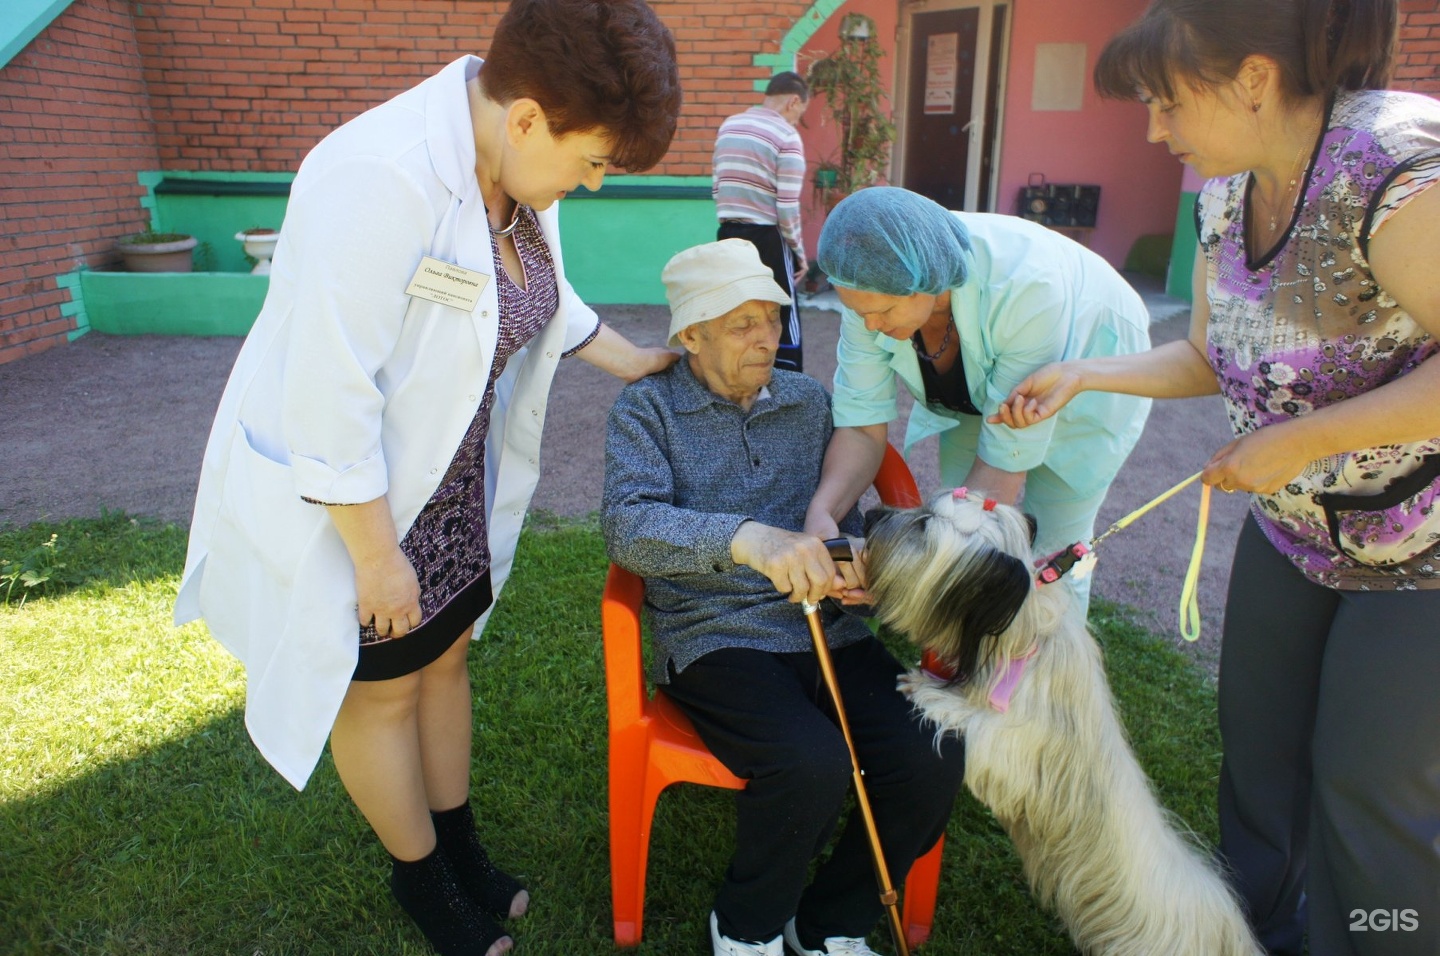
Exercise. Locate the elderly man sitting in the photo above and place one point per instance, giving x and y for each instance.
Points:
(709, 468)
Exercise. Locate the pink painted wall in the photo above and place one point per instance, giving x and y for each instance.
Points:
(1101, 144)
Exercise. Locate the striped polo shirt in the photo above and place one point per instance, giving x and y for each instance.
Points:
(759, 167)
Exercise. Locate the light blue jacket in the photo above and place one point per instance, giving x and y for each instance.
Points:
(1032, 297)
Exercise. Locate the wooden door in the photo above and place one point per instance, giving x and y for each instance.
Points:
(951, 104)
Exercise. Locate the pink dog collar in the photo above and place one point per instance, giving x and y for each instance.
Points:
(1014, 670)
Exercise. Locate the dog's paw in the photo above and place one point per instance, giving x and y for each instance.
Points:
(919, 687)
(912, 681)
(935, 700)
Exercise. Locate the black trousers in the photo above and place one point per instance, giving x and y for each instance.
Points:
(768, 718)
(777, 255)
(1330, 782)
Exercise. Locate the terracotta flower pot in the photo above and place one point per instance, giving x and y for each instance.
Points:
(158, 252)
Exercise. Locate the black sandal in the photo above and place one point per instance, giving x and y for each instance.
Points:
(494, 890)
(430, 892)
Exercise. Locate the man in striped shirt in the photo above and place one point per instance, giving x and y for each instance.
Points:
(759, 168)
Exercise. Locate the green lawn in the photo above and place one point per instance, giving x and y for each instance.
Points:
(135, 817)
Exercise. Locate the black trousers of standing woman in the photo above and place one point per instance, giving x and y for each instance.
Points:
(1330, 785)
(768, 718)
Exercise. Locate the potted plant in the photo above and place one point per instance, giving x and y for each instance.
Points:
(259, 245)
(849, 78)
(826, 181)
(152, 251)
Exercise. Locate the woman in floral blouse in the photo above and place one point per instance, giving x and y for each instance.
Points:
(1317, 307)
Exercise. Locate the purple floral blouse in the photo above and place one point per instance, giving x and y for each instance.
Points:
(1307, 325)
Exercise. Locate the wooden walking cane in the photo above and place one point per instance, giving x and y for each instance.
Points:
(840, 551)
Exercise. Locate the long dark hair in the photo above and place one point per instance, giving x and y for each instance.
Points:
(1321, 46)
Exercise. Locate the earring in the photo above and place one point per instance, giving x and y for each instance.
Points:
(1254, 107)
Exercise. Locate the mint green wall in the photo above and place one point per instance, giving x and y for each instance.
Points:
(1182, 254)
(172, 303)
(616, 241)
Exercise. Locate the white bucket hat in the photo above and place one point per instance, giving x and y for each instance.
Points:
(705, 282)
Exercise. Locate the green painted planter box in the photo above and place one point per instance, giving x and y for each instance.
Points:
(615, 243)
(172, 303)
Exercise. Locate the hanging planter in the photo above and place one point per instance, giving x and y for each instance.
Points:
(158, 252)
(260, 246)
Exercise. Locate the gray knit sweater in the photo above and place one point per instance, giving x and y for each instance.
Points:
(683, 469)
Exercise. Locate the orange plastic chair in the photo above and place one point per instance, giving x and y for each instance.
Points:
(653, 745)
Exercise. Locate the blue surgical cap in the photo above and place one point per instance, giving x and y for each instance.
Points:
(895, 242)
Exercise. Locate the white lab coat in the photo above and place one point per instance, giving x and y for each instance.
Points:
(348, 389)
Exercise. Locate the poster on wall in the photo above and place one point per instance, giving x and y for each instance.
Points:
(1059, 76)
(941, 68)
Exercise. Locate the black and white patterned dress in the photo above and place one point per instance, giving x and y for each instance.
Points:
(448, 545)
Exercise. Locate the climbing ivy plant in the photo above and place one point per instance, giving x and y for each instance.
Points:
(849, 79)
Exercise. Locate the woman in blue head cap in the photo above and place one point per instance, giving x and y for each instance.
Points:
(961, 307)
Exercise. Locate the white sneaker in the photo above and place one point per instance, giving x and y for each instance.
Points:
(725, 946)
(833, 945)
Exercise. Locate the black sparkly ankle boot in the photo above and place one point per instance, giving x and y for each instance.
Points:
(429, 891)
(492, 889)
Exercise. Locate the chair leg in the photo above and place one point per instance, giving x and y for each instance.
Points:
(629, 842)
(921, 887)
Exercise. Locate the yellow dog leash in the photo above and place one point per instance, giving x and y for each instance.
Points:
(1189, 600)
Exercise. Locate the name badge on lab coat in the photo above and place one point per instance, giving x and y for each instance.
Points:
(447, 284)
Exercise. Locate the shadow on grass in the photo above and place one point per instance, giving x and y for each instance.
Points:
(195, 846)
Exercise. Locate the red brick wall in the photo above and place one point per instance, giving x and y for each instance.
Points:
(1419, 66)
(716, 43)
(70, 146)
(253, 84)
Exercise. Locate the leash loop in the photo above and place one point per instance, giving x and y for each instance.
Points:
(1189, 592)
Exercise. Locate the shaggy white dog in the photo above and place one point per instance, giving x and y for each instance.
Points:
(1044, 749)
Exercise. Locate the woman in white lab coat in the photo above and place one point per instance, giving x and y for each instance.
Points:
(378, 442)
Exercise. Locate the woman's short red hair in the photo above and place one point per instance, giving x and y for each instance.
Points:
(592, 65)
